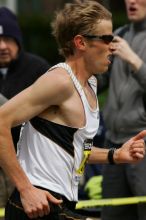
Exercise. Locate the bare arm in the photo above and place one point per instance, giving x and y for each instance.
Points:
(131, 152)
(21, 108)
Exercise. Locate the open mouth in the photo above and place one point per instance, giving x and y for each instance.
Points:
(132, 9)
(3, 54)
(110, 58)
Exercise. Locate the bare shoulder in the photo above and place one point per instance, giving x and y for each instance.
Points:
(60, 75)
(59, 78)
(55, 83)
(52, 88)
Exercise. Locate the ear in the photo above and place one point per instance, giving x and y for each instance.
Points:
(79, 42)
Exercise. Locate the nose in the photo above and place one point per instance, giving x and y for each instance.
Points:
(3, 44)
(131, 1)
(111, 47)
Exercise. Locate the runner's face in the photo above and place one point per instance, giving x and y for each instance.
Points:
(98, 50)
(136, 10)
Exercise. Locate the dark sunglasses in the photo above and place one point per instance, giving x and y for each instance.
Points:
(105, 38)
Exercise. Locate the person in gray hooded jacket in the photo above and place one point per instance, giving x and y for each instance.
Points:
(125, 113)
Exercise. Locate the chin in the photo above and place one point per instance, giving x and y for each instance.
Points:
(134, 18)
(103, 70)
(4, 64)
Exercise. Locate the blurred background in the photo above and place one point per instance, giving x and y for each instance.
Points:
(35, 17)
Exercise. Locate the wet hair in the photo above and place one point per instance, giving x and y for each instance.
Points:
(79, 17)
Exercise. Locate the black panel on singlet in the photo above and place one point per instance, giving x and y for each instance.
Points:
(60, 134)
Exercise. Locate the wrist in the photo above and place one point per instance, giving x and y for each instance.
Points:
(111, 156)
(22, 187)
(136, 63)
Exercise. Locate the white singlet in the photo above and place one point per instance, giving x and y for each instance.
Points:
(51, 154)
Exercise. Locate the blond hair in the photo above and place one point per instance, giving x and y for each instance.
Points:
(75, 18)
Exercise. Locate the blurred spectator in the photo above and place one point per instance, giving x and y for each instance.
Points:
(18, 70)
(125, 113)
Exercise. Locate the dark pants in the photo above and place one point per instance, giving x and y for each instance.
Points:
(14, 209)
(124, 180)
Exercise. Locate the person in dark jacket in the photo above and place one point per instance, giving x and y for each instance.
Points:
(18, 70)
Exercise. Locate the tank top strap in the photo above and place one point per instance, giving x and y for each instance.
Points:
(93, 83)
(70, 72)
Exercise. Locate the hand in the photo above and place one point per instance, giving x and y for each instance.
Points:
(36, 202)
(132, 151)
(121, 48)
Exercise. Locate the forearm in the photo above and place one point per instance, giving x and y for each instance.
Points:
(102, 155)
(131, 151)
(135, 61)
(98, 155)
(9, 162)
(138, 69)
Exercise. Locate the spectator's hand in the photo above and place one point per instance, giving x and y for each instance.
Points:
(36, 202)
(121, 48)
(132, 151)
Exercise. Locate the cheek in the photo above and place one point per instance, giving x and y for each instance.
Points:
(13, 52)
(97, 58)
(101, 54)
(142, 6)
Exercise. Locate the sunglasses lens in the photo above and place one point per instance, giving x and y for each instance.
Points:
(107, 38)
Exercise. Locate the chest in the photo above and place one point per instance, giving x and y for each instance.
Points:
(75, 111)
(79, 108)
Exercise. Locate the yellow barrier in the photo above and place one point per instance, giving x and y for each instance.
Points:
(2, 211)
(103, 202)
(110, 202)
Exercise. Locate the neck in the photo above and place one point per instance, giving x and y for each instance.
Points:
(79, 69)
(140, 25)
